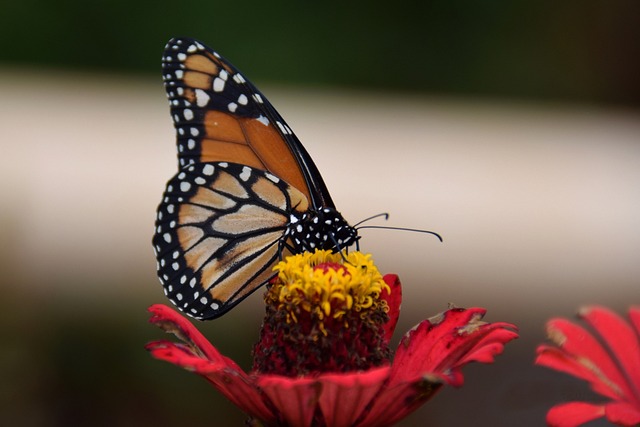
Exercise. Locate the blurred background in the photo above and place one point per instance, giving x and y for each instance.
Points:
(511, 128)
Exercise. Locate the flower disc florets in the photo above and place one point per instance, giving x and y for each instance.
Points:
(324, 314)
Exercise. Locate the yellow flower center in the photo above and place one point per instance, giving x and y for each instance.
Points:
(327, 285)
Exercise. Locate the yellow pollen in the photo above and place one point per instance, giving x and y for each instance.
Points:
(339, 285)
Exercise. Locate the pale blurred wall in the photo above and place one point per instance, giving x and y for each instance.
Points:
(539, 207)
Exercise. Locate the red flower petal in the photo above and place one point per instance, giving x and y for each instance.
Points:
(202, 358)
(397, 401)
(585, 350)
(394, 299)
(573, 414)
(622, 414)
(555, 358)
(634, 315)
(296, 399)
(444, 344)
(623, 342)
(345, 396)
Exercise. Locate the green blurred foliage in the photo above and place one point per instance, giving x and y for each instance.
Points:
(579, 51)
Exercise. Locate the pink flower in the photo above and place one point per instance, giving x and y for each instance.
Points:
(324, 361)
(610, 362)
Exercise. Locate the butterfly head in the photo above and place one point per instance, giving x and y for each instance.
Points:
(321, 229)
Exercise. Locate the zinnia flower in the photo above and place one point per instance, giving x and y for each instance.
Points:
(323, 358)
(610, 362)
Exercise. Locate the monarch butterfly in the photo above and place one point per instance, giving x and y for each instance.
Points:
(246, 189)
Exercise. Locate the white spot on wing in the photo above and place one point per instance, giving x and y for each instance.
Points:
(218, 84)
(208, 170)
(246, 173)
(272, 177)
(202, 98)
(263, 120)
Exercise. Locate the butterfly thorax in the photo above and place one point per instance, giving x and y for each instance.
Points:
(320, 229)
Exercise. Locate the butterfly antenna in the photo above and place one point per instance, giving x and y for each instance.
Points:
(337, 246)
(384, 214)
(414, 230)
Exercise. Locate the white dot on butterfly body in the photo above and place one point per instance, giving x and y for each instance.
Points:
(185, 186)
(183, 279)
(175, 266)
(238, 78)
(242, 99)
(181, 175)
(188, 114)
(200, 180)
(167, 237)
(191, 144)
(232, 107)
(179, 297)
(192, 282)
(170, 208)
(214, 306)
(203, 300)
(223, 75)
(263, 120)
(194, 131)
(176, 254)
(179, 74)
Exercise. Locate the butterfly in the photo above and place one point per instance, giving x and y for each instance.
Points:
(246, 191)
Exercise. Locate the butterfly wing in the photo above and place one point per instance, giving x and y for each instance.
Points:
(244, 178)
(221, 116)
(218, 233)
